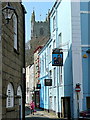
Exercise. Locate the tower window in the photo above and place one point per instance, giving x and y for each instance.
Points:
(41, 31)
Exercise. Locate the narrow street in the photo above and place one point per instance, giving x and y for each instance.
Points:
(39, 115)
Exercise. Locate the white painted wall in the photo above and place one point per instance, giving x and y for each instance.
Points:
(76, 56)
(29, 82)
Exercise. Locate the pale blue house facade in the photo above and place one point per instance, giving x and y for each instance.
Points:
(69, 28)
(85, 44)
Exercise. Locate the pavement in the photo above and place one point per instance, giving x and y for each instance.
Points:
(39, 114)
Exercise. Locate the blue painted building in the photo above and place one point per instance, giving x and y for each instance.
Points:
(85, 44)
(69, 28)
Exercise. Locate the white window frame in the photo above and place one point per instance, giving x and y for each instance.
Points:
(54, 103)
(54, 76)
(54, 44)
(50, 53)
(50, 73)
(60, 39)
(61, 74)
(15, 31)
(54, 23)
(10, 96)
(45, 61)
(42, 64)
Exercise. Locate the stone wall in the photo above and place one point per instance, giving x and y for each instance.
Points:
(0, 62)
(35, 42)
(12, 60)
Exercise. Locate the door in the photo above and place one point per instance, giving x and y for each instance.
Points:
(50, 103)
(65, 107)
(88, 102)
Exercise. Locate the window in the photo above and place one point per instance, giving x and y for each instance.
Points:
(54, 23)
(41, 31)
(54, 76)
(45, 61)
(15, 31)
(60, 39)
(19, 91)
(50, 53)
(53, 44)
(10, 96)
(60, 75)
(50, 102)
(50, 74)
(42, 64)
(54, 103)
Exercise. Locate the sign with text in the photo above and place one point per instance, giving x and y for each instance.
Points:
(57, 58)
(48, 82)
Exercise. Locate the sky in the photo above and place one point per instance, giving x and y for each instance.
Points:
(40, 8)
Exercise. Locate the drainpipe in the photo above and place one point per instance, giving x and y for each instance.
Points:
(58, 68)
(24, 76)
(0, 61)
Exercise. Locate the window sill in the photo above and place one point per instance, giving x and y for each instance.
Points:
(16, 51)
(9, 109)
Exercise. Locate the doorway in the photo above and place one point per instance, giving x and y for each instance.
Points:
(88, 102)
(65, 107)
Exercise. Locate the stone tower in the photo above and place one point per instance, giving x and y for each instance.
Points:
(39, 28)
(40, 32)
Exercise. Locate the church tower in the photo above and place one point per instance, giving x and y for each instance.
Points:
(40, 33)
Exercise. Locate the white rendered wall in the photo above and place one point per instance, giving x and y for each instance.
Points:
(76, 56)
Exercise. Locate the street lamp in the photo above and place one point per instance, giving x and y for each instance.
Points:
(8, 12)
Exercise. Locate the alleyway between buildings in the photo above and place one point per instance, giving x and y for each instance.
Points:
(39, 115)
(43, 115)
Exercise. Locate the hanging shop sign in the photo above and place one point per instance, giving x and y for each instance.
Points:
(48, 82)
(57, 57)
(38, 86)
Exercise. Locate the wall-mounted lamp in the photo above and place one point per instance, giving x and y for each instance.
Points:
(8, 12)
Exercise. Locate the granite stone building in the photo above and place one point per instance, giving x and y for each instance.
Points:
(12, 63)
